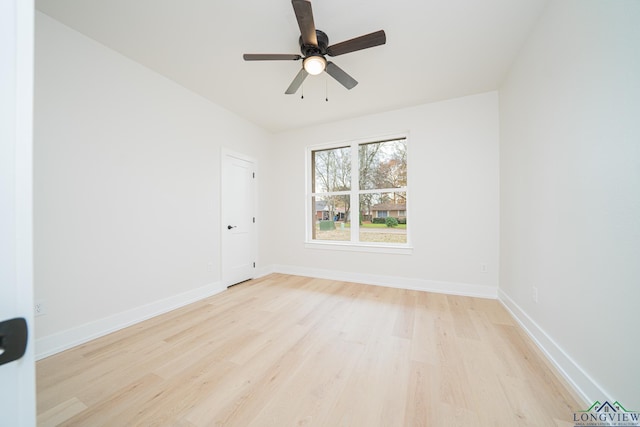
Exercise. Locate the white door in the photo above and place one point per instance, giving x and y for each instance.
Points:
(17, 378)
(238, 218)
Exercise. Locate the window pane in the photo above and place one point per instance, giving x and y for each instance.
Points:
(331, 218)
(331, 170)
(383, 164)
(383, 217)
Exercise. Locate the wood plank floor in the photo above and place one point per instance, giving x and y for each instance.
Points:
(289, 350)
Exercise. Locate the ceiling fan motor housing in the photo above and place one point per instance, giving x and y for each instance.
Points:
(311, 50)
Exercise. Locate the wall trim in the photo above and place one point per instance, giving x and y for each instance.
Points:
(585, 387)
(64, 340)
(263, 271)
(451, 288)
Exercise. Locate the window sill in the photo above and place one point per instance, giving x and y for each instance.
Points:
(359, 247)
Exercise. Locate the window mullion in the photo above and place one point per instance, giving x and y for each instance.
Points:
(332, 193)
(384, 190)
(355, 196)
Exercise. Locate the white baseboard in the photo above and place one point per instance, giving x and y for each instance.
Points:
(584, 386)
(452, 288)
(55, 343)
(263, 271)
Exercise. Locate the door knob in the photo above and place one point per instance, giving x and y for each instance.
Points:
(13, 340)
(229, 227)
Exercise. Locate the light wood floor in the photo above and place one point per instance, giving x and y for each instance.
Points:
(289, 351)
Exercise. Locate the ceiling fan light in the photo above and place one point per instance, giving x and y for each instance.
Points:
(314, 65)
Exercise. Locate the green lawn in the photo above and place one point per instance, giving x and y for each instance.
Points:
(369, 225)
(380, 234)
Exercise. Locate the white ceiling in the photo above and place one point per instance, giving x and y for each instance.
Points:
(436, 49)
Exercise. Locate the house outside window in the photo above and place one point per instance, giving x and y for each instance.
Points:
(350, 186)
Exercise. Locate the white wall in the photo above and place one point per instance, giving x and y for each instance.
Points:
(127, 192)
(570, 192)
(127, 213)
(453, 184)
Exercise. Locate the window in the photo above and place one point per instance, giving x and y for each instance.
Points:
(367, 207)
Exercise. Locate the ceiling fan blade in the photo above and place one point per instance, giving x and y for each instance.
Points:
(271, 57)
(304, 15)
(343, 78)
(363, 42)
(297, 82)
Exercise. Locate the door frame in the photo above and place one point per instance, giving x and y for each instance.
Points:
(17, 379)
(224, 153)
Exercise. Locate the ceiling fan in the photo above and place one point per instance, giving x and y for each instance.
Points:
(314, 45)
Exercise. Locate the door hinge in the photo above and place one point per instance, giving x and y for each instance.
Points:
(254, 219)
(254, 265)
(254, 174)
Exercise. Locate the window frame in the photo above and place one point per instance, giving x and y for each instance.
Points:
(353, 244)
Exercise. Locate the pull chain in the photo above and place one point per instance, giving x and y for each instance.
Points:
(326, 89)
(302, 97)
